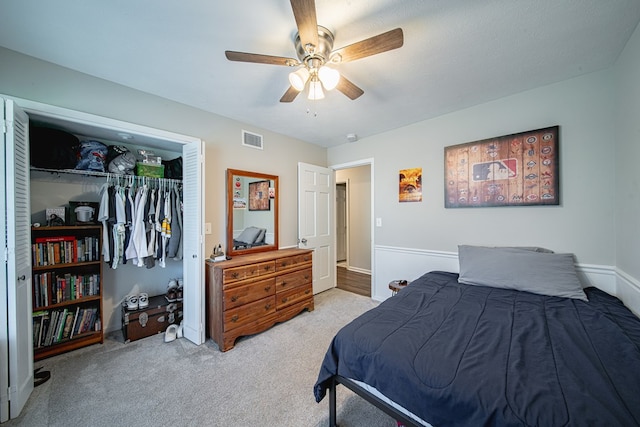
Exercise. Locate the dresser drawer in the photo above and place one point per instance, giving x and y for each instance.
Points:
(248, 313)
(292, 261)
(243, 294)
(248, 271)
(294, 295)
(292, 280)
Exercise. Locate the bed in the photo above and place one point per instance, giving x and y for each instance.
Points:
(511, 340)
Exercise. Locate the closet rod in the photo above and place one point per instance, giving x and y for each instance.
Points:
(97, 174)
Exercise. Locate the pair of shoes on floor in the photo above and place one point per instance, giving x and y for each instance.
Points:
(174, 290)
(134, 302)
(173, 332)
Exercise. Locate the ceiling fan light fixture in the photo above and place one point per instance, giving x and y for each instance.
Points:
(315, 90)
(329, 77)
(298, 78)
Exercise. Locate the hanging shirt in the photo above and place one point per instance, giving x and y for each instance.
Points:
(103, 217)
(176, 227)
(119, 227)
(139, 231)
(130, 252)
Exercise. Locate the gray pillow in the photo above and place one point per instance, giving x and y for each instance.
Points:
(543, 273)
(531, 248)
(248, 235)
(260, 237)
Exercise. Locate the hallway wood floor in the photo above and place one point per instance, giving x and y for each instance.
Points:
(352, 281)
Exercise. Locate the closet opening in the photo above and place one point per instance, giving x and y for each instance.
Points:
(49, 190)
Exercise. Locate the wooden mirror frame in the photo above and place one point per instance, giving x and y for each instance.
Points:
(231, 173)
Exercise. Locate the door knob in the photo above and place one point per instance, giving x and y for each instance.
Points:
(303, 241)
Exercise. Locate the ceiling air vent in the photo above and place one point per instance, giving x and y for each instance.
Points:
(252, 140)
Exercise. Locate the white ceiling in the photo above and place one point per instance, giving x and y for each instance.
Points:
(456, 53)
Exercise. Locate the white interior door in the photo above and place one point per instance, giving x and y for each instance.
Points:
(316, 196)
(4, 328)
(17, 274)
(193, 261)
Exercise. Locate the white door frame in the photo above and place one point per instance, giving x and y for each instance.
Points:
(355, 164)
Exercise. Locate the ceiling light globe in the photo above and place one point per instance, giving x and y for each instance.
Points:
(298, 79)
(315, 90)
(329, 77)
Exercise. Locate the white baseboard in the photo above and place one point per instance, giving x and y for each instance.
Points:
(628, 290)
(393, 262)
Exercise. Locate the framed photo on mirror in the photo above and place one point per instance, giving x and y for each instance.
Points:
(259, 196)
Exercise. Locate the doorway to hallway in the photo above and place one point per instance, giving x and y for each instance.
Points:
(353, 227)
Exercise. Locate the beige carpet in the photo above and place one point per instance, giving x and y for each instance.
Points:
(266, 380)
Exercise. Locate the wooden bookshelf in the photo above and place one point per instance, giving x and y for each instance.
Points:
(67, 288)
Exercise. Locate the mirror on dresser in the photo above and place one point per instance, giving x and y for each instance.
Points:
(252, 212)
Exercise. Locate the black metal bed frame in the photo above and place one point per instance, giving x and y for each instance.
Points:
(369, 397)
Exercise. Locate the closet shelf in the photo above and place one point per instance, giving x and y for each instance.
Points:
(64, 265)
(94, 174)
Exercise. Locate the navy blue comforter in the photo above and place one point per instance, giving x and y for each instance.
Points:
(460, 355)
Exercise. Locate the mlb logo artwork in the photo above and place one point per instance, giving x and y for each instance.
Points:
(495, 170)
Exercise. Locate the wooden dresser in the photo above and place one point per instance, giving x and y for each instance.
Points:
(250, 293)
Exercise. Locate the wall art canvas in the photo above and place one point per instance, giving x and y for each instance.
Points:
(512, 170)
(410, 181)
(259, 196)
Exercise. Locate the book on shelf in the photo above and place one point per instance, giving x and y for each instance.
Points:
(50, 328)
(55, 326)
(60, 327)
(53, 250)
(81, 320)
(65, 287)
(39, 326)
(75, 321)
(68, 321)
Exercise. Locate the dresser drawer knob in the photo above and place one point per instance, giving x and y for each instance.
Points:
(285, 299)
(234, 298)
(284, 283)
(235, 274)
(284, 264)
(267, 307)
(253, 271)
(267, 268)
(307, 291)
(267, 288)
(234, 318)
(306, 277)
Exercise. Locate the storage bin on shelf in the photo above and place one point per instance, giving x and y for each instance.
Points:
(150, 170)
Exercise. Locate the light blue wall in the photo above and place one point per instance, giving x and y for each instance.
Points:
(584, 222)
(627, 157)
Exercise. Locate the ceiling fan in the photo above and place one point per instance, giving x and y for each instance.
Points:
(314, 48)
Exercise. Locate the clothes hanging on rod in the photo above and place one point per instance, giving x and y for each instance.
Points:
(141, 219)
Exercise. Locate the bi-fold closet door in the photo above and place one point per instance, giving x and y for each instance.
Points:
(16, 345)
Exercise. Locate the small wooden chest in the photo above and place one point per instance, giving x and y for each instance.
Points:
(150, 320)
